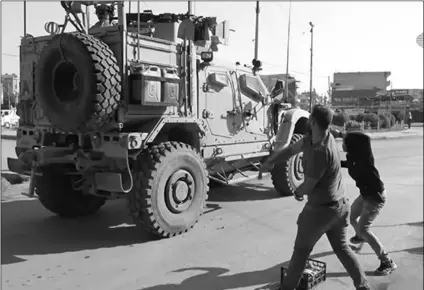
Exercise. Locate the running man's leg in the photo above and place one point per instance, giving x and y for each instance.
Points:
(355, 213)
(337, 236)
(369, 213)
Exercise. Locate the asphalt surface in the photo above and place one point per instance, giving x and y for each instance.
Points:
(240, 243)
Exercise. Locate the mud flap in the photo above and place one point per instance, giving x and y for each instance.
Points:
(31, 191)
(15, 165)
(115, 182)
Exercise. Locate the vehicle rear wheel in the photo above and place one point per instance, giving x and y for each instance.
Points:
(287, 176)
(170, 189)
(57, 194)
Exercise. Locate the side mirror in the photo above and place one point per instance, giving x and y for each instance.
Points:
(222, 31)
(253, 87)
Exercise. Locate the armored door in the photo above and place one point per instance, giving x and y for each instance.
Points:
(218, 106)
(254, 103)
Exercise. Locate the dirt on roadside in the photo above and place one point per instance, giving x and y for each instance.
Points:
(12, 185)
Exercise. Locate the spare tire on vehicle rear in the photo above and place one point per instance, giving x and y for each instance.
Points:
(78, 83)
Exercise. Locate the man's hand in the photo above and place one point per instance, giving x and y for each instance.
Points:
(337, 133)
(298, 196)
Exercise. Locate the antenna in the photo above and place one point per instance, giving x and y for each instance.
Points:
(25, 20)
(310, 81)
(257, 30)
(286, 91)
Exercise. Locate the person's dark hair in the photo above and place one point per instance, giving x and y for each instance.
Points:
(322, 115)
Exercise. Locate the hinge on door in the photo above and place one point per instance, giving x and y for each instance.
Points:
(205, 88)
(206, 114)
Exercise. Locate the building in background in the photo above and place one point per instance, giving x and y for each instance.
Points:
(270, 80)
(358, 89)
(303, 100)
(361, 81)
(10, 89)
(1, 94)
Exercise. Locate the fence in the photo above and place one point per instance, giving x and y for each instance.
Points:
(367, 128)
(395, 109)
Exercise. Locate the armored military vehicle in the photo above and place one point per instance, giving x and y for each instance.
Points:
(136, 107)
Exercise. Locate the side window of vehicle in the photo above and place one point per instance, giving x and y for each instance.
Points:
(218, 81)
(252, 87)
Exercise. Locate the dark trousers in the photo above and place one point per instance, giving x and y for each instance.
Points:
(312, 224)
(409, 123)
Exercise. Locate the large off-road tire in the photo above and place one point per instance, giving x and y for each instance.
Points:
(78, 84)
(287, 176)
(166, 175)
(55, 192)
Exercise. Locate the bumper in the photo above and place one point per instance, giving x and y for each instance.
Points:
(105, 162)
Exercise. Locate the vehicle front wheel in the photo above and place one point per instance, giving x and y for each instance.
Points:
(287, 176)
(170, 189)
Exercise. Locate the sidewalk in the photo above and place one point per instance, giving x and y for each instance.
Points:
(8, 134)
(415, 131)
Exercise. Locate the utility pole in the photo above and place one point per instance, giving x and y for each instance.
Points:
(286, 92)
(310, 81)
(329, 89)
(25, 18)
(257, 30)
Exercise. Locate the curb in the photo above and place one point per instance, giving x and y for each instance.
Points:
(395, 137)
(8, 137)
(390, 137)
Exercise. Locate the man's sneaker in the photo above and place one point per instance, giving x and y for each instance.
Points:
(357, 240)
(387, 266)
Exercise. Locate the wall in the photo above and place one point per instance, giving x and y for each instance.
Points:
(360, 80)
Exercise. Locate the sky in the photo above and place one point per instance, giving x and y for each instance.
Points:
(348, 36)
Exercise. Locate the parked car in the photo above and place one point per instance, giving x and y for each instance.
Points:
(9, 118)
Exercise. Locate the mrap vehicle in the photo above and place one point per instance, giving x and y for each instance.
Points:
(135, 107)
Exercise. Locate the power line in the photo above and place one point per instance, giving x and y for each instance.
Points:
(9, 54)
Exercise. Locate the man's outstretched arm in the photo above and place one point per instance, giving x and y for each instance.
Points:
(282, 154)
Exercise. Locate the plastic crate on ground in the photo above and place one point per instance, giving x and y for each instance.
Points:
(315, 273)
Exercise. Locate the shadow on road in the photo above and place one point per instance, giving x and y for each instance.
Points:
(214, 278)
(14, 178)
(29, 229)
(242, 192)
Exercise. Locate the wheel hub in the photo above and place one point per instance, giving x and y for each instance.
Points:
(298, 166)
(179, 191)
(66, 82)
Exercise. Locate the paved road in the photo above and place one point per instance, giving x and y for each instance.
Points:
(247, 232)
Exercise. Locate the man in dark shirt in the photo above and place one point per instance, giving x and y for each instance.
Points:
(367, 206)
(327, 209)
